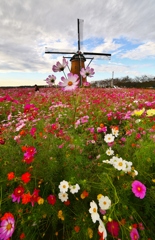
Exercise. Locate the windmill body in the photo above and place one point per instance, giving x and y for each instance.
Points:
(78, 59)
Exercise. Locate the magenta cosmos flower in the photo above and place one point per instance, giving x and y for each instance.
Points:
(7, 226)
(134, 234)
(60, 66)
(70, 83)
(88, 72)
(138, 189)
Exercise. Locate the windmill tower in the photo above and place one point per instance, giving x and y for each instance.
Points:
(78, 59)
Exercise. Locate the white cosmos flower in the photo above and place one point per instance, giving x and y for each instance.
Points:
(63, 196)
(104, 203)
(93, 211)
(115, 132)
(113, 160)
(109, 152)
(109, 138)
(63, 186)
(128, 166)
(106, 161)
(74, 188)
(120, 164)
(102, 229)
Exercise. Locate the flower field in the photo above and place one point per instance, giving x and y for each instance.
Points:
(77, 164)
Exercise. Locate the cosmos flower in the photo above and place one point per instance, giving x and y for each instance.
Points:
(51, 199)
(104, 202)
(17, 194)
(134, 234)
(88, 72)
(60, 66)
(50, 80)
(63, 186)
(26, 177)
(102, 230)
(63, 196)
(7, 226)
(139, 189)
(11, 176)
(93, 211)
(34, 196)
(26, 198)
(109, 152)
(108, 138)
(120, 164)
(113, 228)
(74, 188)
(70, 83)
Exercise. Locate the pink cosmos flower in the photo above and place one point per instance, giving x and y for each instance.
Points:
(50, 80)
(30, 152)
(60, 67)
(33, 131)
(138, 189)
(7, 226)
(88, 72)
(134, 234)
(86, 84)
(70, 83)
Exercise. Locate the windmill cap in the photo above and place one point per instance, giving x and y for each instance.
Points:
(77, 56)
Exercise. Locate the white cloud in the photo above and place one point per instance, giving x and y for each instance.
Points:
(28, 26)
(143, 51)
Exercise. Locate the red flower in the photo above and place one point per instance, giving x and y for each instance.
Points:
(24, 148)
(135, 225)
(26, 177)
(29, 159)
(34, 197)
(77, 229)
(18, 191)
(26, 198)
(113, 228)
(67, 202)
(2, 141)
(6, 216)
(11, 175)
(84, 194)
(51, 199)
(22, 236)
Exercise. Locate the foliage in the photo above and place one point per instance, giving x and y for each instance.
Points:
(52, 136)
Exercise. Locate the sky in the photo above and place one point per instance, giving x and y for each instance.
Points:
(123, 28)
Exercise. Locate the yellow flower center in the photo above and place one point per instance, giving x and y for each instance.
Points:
(139, 189)
(9, 226)
(94, 210)
(70, 83)
(104, 202)
(120, 163)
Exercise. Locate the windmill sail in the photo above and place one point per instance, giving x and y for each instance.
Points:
(80, 33)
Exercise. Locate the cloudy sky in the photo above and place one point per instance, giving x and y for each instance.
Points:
(124, 28)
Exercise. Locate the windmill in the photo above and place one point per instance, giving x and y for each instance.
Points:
(78, 59)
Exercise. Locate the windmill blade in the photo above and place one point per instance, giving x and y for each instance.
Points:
(80, 33)
(97, 54)
(55, 51)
